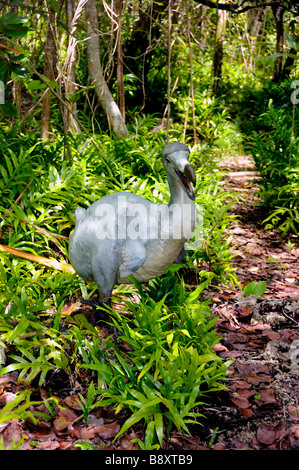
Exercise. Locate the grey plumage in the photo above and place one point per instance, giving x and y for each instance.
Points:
(123, 233)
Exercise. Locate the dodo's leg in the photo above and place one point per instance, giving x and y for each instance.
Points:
(105, 271)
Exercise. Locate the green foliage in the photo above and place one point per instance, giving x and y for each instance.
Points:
(255, 288)
(275, 149)
(168, 367)
(85, 445)
(12, 25)
(214, 126)
(86, 404)
(19, 408)
(160, 377)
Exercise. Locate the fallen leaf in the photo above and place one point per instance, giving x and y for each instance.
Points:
(253, 269)
(266, 435)
(272, 335)
(48, 445)
(106, 431)
(215, 300)
(266, 397)
(295, 431)
(257, 379)
(6, 397)
(242, 384)
(245, 311)
(254, 344)
(126, 442)
(258, 326)
(72, 402)
(247, 412)
(239, 401)
(288, 335)
(85, 433)
(230, 354)
(60, 423)
(52, 263)
(12, 433)
(219, 347)
(250, 248)
(69, 415)
(42, 434)
(293, 412)
(246, 393)
(7, 378)
(68, 310)
(219, 446)
(236, 338)
(66, 445)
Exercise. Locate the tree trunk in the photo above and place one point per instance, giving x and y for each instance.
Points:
(218, 51)
(70, 115)
(278, 12)
(254, 22)
(105, 98)
(49, 74)
(119, 67)
(253, 29)
(290, 60)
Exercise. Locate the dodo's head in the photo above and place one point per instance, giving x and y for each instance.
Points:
(175, 159)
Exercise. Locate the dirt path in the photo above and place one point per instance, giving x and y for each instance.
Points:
(261, 409)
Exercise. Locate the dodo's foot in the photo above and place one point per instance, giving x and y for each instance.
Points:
(98, 311)
(99, 315)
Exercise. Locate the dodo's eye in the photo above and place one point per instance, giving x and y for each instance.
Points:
(167, 159)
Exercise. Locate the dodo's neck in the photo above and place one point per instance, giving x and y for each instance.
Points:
(177, 193)
(183, 208)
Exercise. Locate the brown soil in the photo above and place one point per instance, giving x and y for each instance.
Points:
(260, 410)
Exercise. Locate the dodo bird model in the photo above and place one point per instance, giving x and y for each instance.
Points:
(123, 234)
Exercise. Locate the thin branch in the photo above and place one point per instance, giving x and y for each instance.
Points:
(235, 8)
(64, 103)
(51, 263)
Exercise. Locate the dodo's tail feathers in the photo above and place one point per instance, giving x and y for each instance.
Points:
(79, 213)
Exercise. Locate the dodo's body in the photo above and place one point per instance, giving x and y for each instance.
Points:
(123, 233)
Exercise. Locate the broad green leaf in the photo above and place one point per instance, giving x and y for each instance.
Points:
(19, 329)
(292, 42)
(145, 411)
(9, 109)
(158, 420)
(255, 288)
(54, 4)
(196, 293)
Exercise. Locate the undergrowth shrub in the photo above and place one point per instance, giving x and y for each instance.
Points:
(168, 364)
(160, 370)
(275, 149)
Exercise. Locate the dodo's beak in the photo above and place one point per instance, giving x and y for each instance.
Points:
(188, 178)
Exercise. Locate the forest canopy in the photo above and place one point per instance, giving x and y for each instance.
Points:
(66, 64)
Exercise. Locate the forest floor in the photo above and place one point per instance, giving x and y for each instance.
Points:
(260, 408)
